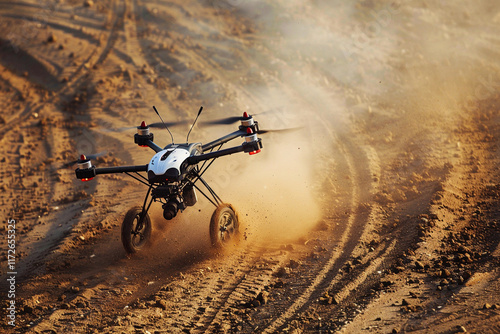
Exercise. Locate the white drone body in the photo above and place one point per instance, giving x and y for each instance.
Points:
(167, 165)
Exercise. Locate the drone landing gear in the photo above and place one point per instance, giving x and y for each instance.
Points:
(224, 226)
(136, 230)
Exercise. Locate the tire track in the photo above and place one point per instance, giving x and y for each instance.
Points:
(246, 290)
(56, 234)
(347, 243)
(74, 79)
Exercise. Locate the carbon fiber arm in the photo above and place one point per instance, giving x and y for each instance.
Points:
(91, 172)
(246, 147)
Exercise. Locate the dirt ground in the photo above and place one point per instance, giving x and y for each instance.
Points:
(380, 215)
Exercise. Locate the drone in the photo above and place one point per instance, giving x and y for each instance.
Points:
(174, 175)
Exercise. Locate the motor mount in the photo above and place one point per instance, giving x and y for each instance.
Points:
(85, 171)
(143, 135)
(247, 120)
(252, 144)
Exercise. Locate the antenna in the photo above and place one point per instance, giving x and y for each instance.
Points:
(199, 112)
(166, 127)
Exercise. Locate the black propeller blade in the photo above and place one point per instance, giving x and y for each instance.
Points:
(235, 119)
(160, 125)
(260, 132)
(157, 125)
(90, 157)
(224, 121)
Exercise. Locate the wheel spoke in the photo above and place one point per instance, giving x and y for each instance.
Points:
(229, 221)
(138, 236)
(226, 227)
(136, 230)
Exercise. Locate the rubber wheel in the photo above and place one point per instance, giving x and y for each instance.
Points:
(133, 240)
(224, 226)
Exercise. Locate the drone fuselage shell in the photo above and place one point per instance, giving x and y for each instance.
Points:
(165, 166)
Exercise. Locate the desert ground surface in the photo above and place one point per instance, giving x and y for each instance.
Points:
(379, 215)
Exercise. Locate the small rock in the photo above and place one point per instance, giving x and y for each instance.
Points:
(445, 273)
(405, 302)
(326, 299)
(294, 264)
(28, 309)
(88, 3)
(486, 306)
(467, 258)
(80, 304)
(419, 265)
(282, 271)
(278, 284)
(462, 249)
(399, 269)
(263, 297)
(51, 39)
(161, 304)
(461, 329)
(409, 308)
(386, 284)
(466, 275)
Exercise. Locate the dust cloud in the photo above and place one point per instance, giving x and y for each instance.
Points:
(441, 73)
(357, 59)
(392, 62)
(273, 191)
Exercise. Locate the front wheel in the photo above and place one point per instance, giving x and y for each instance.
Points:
(134, 235)
(224, 226)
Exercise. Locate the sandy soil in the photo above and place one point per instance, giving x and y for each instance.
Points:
(381, 215)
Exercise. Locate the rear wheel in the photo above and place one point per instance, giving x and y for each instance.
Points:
(135, 236)
(224, 226)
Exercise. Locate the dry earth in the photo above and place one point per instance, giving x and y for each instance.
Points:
(380, 216)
